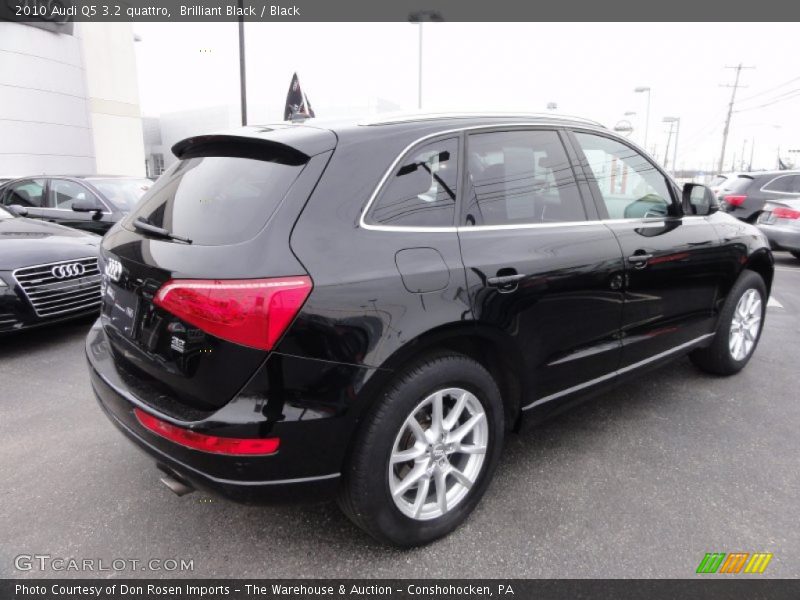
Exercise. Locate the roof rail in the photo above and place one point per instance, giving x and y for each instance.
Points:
(395, 118)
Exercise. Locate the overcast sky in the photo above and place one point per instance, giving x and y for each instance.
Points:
(588, 69)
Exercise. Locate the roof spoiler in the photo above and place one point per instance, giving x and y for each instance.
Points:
(240, 147)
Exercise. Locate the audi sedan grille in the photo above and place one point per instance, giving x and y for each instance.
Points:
(61, 287)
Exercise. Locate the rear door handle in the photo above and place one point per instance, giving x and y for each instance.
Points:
(639, 261)
(505, 280)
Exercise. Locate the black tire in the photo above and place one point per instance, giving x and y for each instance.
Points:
(796, 255)
(365, 495)
(717, 357)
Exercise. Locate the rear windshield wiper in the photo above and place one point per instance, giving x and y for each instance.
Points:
(141, 224)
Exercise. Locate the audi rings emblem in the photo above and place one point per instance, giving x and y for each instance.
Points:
(68, 271)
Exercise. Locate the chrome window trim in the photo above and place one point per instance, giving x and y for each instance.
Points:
(607, 376)
(471, 228)
(766, 191)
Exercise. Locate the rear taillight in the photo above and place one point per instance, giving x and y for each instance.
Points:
(734, 200)
(785, 213)
(207, 443)
(251, 312)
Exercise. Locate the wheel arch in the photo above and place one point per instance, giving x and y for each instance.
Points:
(762, 262)
(493, 349)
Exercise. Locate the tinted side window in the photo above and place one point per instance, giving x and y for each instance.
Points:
(519, 177)
(63, 193)
(630, 185)
(422, 192)
(29, 193)
(789, 184)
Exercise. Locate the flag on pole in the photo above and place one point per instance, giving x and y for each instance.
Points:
(297, 104)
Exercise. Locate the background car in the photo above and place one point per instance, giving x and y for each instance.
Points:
(92, 203)
(780, 222)
(48, 273)
(719, 183)
(744, 195)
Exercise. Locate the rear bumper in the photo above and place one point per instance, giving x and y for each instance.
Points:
(782, 237)
(313, 440)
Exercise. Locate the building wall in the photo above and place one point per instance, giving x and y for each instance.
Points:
(69, 103)
(44, 114)
(113, 93)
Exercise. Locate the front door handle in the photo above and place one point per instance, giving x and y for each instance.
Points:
(639, 261)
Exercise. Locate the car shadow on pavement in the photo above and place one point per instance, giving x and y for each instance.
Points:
(31, 340)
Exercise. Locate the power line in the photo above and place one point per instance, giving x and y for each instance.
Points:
(772, 89)
(780, 98)
(725, 131)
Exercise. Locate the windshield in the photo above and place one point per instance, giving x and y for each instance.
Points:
(123, 193)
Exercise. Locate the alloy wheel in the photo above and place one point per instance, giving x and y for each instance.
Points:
(745, 325)
(438, 454)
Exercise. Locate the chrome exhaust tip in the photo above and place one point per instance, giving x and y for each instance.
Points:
(179, 488)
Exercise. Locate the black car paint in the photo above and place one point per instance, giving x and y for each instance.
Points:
(581, 318)
(27, 242)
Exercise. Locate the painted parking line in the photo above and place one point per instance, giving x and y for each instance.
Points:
(788, 269)
(774, 303)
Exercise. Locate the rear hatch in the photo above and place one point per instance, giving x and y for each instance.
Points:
(199, 280)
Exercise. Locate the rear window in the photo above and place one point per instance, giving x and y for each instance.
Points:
(717, 181)
(217, 200)
(739, 184)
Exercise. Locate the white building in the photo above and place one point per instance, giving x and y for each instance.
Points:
(69, 100)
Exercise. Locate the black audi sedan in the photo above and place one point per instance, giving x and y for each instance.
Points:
(48, 273)
(92, 202)
(367, 309)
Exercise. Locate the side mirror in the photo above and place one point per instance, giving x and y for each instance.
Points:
(699, 200)
(18, 210)
(86, 205)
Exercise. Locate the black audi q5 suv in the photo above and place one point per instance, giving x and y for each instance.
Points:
(366, 309)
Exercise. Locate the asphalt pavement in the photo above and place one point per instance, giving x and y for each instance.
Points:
(639, 482)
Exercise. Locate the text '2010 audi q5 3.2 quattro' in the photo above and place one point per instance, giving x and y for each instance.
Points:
(366, 309)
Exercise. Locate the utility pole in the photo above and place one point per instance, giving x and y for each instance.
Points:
(744, 145)
(735, 87)
(752, 147)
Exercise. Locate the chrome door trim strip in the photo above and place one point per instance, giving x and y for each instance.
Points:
(621, 371)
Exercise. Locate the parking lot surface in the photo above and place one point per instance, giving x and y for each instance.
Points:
(639, 482)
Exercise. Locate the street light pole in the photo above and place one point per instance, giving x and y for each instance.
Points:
(639, 90)
(419, 85)
(417, 18)
(242, 69)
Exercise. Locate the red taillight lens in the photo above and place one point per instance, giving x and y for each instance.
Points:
(734, 200)
(251, 312)
(785, 213)
(207, 443)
